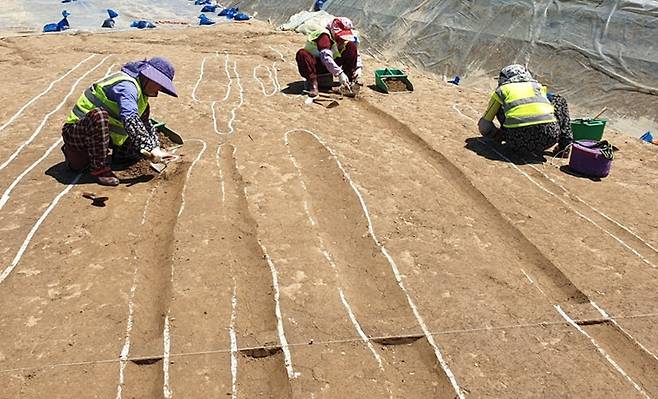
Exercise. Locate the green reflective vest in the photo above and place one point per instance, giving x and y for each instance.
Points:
(525, 104)
(312, 47)
(94, 97)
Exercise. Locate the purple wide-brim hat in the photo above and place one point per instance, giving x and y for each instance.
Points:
(161, 71)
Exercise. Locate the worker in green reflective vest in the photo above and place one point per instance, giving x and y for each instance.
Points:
(113, 113)
(530, 122)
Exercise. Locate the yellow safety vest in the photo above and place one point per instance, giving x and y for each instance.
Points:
(95, 97)
(312, 46)
(524, 104)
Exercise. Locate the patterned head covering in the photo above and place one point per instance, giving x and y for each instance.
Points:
(513, 74)
(341, 27)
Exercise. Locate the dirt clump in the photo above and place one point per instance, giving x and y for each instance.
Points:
(165, 142)
(137, 169)
(395, 85)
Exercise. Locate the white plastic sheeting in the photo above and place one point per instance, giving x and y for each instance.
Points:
(594, 52)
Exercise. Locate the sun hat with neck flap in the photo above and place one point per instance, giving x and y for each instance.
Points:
(157, 69)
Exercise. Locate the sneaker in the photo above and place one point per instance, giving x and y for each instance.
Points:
(104, 176)
(315, 90)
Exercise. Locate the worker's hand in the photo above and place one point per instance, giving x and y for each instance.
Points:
(356, 76)
(344, 81)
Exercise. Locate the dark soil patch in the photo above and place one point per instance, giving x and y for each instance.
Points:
(139, 168)
(165, 142)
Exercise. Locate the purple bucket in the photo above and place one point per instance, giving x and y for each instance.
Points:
(589, 160)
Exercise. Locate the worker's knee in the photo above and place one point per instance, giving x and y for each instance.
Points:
(99, 117)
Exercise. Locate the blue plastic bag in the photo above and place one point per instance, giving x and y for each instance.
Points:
(203, 20)
(318, 5)
(108, 23)
(209, 8)
(142, 24)
(648, 137)
(241, 17)
(201, 2)
(112, 13)
(229, 12)
(455, 81)
(51, 28)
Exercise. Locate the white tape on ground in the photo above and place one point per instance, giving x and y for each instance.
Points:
(43, 93)
(602, 352)
(234, 343)
(166, 352)
(34, 229)
(394, 268)
(125, 350)
(45, 118)
(329, 258)
(189, 172)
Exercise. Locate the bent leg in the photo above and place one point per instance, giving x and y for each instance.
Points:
(89, 136)
(348, 59)
(563, 120)
(307, 65)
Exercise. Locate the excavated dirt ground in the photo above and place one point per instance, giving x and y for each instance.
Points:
(376, 249)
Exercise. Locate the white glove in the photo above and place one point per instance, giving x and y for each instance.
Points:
(344, 80)
(357, 74)
(159, 155)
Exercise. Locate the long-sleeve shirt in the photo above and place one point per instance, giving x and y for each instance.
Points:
(327, 56)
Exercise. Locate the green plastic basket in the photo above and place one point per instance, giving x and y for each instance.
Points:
(382, 75)
(588, 129)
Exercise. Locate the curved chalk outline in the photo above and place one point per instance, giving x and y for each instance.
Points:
(394, 268)
(45, 118)
(189, 173)
(44, 92)
(231, 120)
(260, 81)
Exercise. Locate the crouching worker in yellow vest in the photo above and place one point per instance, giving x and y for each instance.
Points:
(114, 113)
(529, 121)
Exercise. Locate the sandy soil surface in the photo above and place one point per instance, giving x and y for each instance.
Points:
(375, 249)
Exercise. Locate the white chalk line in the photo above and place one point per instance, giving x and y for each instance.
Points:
(146, 206)
(287, 358)
(607, 317)
(198, 82)
(602, 351)
(45, 118)
(543, 188)
(166, 388)
(394, 268)
(229, 87)
(221, 173)
(260, 81)
(44, 92)
(279, 53)
(329, 258)
(485, 329)
(234, 343)
(189, 172)
(34, 229)
(109, 70)
(235, 108)
(125, 350)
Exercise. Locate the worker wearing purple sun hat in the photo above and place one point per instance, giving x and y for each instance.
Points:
(113, 113)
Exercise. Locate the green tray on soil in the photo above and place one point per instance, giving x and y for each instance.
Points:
(588, 129)
(162, 128)
(382, 75)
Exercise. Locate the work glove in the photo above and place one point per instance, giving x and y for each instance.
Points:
(356, 76)
(344, 82)
(158, 155)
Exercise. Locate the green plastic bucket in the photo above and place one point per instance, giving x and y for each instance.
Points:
(588, 129)
(382, 75)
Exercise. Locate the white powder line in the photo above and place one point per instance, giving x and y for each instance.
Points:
(608, 218)
(125, 350)
(260, 81)
(394, 268)
(233, 111)
(528, 277)
(34, 229)
(234, 343)
(166, 388)
(189, 172)
(292, 374)
(607, 317)
(44, 92)
(276, 80)
(602, 351)
(619, 240)
(5, 195)
(198, 82)
(332, 263)
(146, 206)
(109, 70)
(279, 53)
(228, 76)
(221, 173)
(45, 118)
(534, 284)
